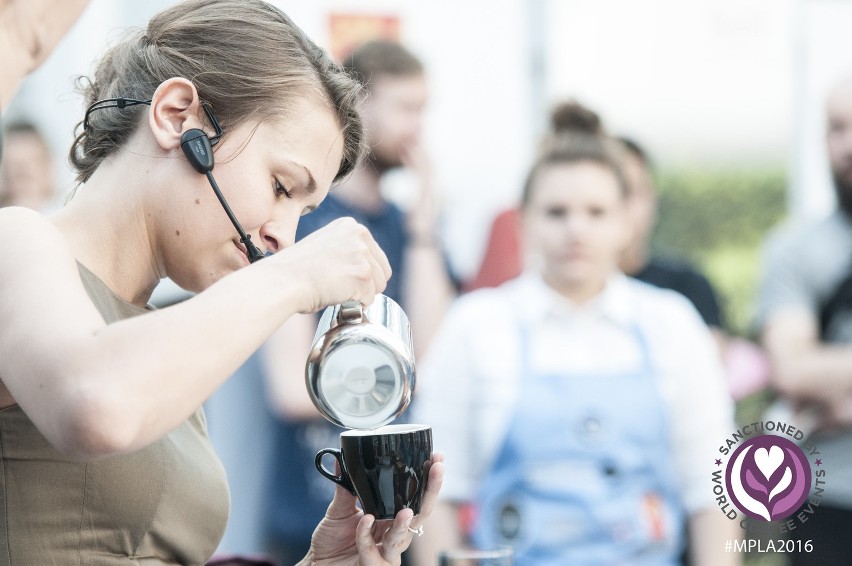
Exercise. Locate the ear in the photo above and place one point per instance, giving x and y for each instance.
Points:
(175, 108)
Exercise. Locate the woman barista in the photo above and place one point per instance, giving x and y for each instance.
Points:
(105, 456)
(578, 409)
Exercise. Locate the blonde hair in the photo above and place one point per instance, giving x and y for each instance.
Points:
(247, 60)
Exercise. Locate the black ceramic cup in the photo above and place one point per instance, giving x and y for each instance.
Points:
(386, 468)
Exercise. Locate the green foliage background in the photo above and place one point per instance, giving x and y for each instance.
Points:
(718, 219)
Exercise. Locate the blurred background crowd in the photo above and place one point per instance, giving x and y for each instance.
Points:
(723, 100)
(726, 96)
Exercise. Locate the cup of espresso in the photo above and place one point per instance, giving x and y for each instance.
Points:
(386, 468)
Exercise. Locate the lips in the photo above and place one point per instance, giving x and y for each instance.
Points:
(243, 252)
(574, 252)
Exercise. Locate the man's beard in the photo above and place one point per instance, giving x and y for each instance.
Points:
(843, 192)
(382, 164)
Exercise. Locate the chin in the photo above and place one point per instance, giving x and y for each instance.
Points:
(197, 281)
(575, 275)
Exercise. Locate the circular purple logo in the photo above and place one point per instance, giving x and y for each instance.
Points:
(768, 477)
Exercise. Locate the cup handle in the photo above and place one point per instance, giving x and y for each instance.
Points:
(341, 480)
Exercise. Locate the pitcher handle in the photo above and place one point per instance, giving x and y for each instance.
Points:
(351, 312)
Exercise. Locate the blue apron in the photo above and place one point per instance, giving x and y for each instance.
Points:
(584, 475)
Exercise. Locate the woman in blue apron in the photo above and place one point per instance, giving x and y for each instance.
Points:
(579, 410)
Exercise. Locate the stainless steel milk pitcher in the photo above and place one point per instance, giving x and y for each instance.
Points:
(360, 371)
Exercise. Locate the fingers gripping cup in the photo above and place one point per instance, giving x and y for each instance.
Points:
(386, 468)
(360, 371)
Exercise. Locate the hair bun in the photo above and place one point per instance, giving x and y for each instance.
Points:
(573, 117)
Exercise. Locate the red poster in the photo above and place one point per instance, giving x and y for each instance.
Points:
(347, 31)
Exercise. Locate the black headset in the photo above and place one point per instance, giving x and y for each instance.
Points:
(197, 146)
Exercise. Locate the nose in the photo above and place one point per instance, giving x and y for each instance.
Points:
(275, 238)
(279, 232)
(574, 223)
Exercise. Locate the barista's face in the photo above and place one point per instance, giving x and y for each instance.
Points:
(393, 117)
(270, 173)
(576, 221)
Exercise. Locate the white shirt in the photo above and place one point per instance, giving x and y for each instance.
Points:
(468, 383)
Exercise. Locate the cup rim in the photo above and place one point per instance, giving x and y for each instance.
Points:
(387, 429)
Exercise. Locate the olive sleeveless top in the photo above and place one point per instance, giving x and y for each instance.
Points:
(164, 504)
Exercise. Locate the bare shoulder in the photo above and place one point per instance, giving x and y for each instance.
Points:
(27, 235)
(26, 226)
(13, 214)
(36, 263)
(44, 308)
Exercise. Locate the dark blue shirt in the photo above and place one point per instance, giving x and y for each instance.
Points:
(299, 494)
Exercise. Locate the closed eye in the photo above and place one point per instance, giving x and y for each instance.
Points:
(280, 190)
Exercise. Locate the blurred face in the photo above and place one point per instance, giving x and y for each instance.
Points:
(839, 142)
(26, 175)
(270, 176)
(641, 198)
(393, 118)
(576, 221)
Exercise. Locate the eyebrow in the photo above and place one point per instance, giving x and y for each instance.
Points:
(312, 183)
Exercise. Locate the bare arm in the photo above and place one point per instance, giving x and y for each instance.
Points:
(29, 30)
(428, 293)
(803, 367)
(708, 531)
(94, 389)
(428, 290)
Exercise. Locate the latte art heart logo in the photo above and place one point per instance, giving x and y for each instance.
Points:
(768, 477)
(768, 460)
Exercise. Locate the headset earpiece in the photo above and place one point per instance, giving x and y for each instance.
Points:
(198, 149)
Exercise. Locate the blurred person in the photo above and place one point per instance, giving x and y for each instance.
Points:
(638, 261)
(746, 366)
(26, 173)
(105, 453)
(805, 321)
(503, 256)
(576, 406)
(396, 84)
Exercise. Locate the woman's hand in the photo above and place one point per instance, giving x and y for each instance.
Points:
(347, 537)
(337, 263)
